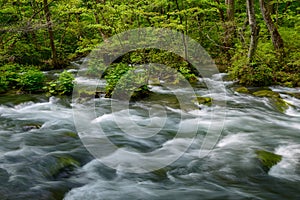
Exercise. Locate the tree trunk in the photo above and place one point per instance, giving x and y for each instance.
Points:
(230, 9)
(51, 34)
(104, 37)
(253, 28)
(229, 25)
(276, 38)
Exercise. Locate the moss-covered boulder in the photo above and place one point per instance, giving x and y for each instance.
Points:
(242, 90)
(63, 167)
(266, 93)
(267, 159)
(275, 99)
(203, 100)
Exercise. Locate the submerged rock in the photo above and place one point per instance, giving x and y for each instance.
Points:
(29, 127)
(275, 99)
(267, 159)
(63, 167)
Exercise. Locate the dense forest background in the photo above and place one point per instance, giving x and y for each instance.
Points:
(257, 42)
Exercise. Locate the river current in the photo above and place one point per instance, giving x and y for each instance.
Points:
(42, 156)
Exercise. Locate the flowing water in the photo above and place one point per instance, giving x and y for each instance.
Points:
(42, 157)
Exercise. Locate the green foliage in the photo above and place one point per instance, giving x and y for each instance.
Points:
(80, 25)
(10, 75)
(32, 80)
(3, 84)
(255, 75)
(114, 74)
(62, 86)
(22, 77)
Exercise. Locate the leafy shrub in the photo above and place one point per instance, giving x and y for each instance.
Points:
(10, 75)
(3, 84)
(32, 80)
(66, 82)
(62, 86)
(114, 74)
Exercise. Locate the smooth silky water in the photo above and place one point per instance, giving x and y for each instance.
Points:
(42, 157)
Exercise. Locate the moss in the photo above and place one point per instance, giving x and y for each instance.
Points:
(280, 104)
(203, 100)
(268, 159)
(296, 95)
(242, 90)
(71, 134)
(275, 99)
(266, 93)
(159, 174)
(63, 166)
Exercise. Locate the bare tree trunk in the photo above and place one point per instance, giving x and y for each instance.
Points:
(51, 34)
(254, 29)
(276, 38)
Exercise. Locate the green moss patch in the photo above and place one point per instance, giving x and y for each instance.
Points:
(268, 159)
(275, 99)
(242, 90)
(203, 100)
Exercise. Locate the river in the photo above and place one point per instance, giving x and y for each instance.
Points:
(42, 156)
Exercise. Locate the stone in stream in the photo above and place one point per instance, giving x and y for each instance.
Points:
(275, 99)
(63, 167)
(242, 90)
(29, 127)
(267, 159)
(203, 100)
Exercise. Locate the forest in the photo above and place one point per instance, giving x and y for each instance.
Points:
(256, 42)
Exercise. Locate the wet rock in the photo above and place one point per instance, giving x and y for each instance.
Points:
(64, 167)
(203, 100)
(275, 99)
(29, 127)
(267, 159)
(266, 93)
(242, 90)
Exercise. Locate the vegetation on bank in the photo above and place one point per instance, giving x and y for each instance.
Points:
(256, 42)
(30, 79)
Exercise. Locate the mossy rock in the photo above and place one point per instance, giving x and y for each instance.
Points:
(266, 93)
(71, 134)
(63, 167)
(267, 159)
(242, 90)
(159, 174)
(275, 99)
(296, 95)
(203, 100)
(280, 104)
